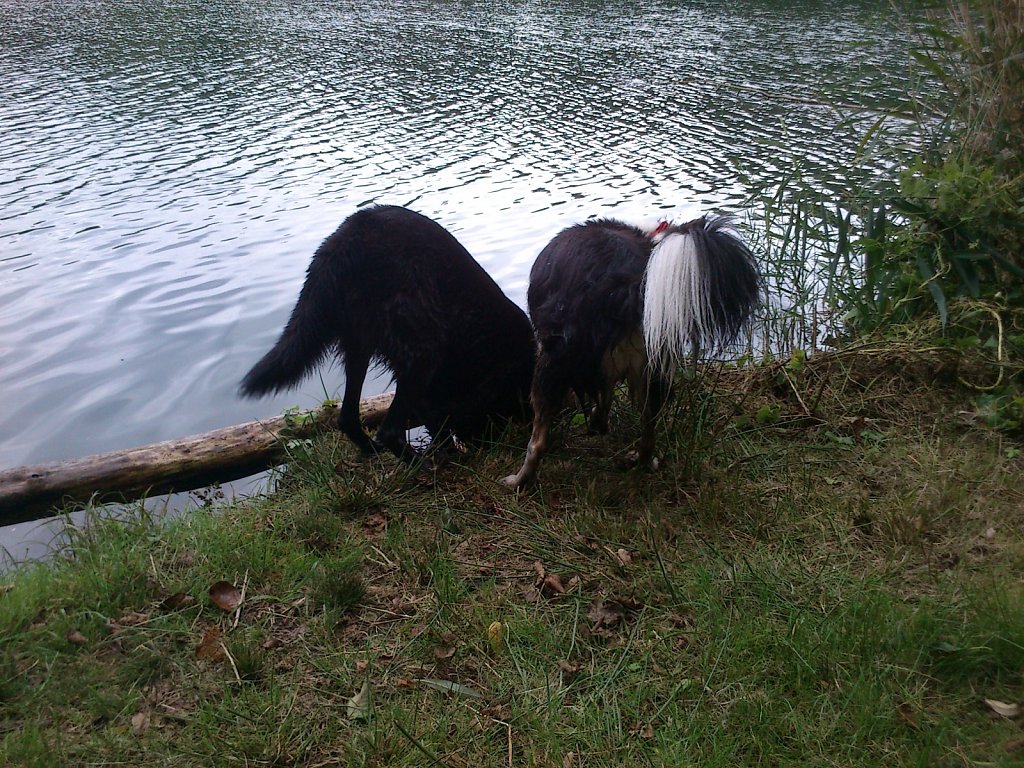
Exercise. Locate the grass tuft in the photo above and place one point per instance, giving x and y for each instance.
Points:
(835, 585)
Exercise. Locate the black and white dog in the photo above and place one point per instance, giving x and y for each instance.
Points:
(393, 287)
(610, 301)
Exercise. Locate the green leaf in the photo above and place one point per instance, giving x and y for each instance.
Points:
(928, 63)
(962, 263)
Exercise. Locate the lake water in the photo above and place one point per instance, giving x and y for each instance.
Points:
(167, 168)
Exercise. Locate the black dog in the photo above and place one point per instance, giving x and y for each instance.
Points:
(395, 288)
(610, 301)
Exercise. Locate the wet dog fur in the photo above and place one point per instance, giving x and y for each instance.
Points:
(393, 287)
(611, 301)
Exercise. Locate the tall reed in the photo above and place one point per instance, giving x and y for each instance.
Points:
(947, 225)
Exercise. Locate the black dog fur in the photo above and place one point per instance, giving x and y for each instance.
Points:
(393, 287)
(590, 290)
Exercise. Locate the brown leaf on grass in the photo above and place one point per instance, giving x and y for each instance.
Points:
(538, 568)
(442, 652)
(375, 524)
(210, 647)
(360, 706)
(133, 618)
(623, 557)
(177, 601)
(552, 585)
(682, 620)
(1001, 708)
(76, 638)
(643, 731)
(404, 682)
(446, 649)
(907, 716)
(494, 711)
(225, 596)
(569, 669)
(140, 723)
(605, 615)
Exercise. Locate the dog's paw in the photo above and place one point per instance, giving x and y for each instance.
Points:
(518, 481)
(632, 461)
(511, 482)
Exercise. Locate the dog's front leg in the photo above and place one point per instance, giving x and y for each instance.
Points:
(392, 431)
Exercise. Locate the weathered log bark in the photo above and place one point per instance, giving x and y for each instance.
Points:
(31, 492)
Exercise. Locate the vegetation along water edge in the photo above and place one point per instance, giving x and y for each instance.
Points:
(826, 569)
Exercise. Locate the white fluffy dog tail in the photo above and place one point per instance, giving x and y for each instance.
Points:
(700, 287)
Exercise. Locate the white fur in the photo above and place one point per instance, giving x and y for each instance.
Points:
(677, 306)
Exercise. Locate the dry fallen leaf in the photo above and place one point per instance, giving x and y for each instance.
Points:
(605, 615)
(76, 638)
(552, 585)
(623, 557)
(225, 595)
(496, 637)
(1010, 711)
(140, 723)
(442, 652)
(375, 524)
(569, 669)
(133, 618)
(906, 714)
(360, 706)
(177, 601)
(210, 647)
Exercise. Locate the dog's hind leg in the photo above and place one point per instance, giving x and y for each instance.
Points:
(598, 423)
(356, 365)
(657, 388)
(547, 395)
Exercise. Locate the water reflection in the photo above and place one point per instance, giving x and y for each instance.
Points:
(169, 167)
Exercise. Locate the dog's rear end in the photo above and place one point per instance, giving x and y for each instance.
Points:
(610, 301)
(393, 287)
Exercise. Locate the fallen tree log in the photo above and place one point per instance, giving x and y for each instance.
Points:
(31, 492)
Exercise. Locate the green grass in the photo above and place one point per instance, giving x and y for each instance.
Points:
(841, 590)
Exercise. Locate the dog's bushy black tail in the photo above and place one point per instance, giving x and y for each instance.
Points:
(701, 285)
(311, 332)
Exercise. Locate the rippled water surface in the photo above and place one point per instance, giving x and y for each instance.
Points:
(167, 168)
